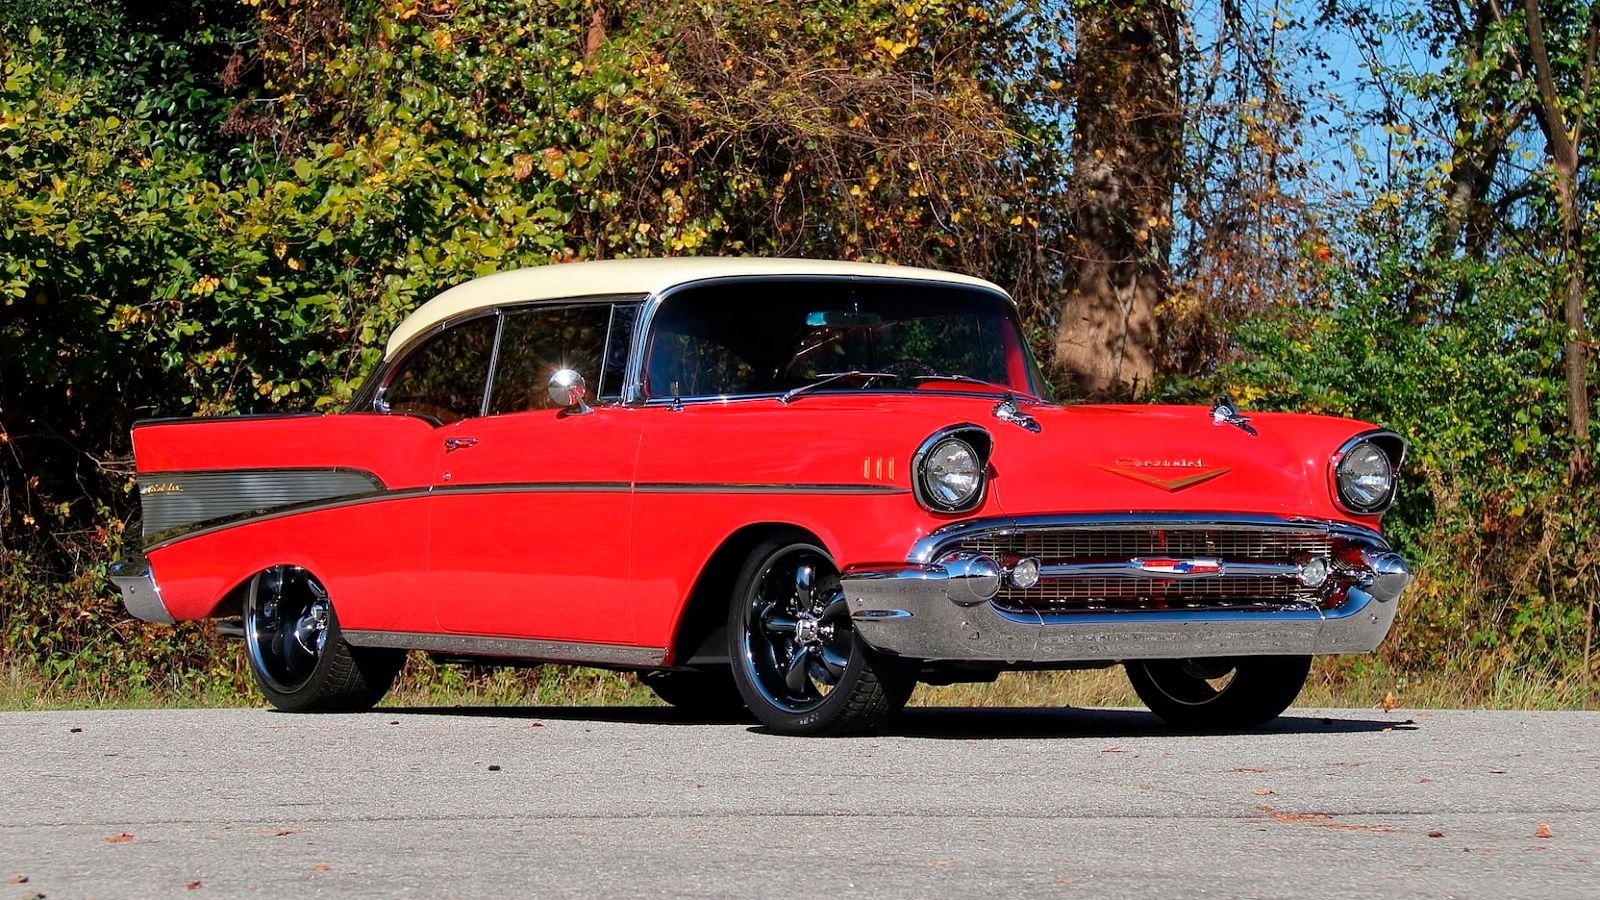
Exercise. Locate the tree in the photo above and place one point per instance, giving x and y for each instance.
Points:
(1567, 119)
(1126, 145)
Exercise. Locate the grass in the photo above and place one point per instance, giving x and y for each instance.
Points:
(1340, 682)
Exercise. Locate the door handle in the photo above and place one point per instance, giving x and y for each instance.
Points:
(451, 445)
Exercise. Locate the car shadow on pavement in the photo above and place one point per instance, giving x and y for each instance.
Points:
(947, 723)
(967, 723)
(626, 715)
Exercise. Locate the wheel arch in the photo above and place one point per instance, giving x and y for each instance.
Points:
(230, 602)
(698, 637)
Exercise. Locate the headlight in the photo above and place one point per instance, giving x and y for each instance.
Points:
(1365, 478)
(949, 469)
(951, 475)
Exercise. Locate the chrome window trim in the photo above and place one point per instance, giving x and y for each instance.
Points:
(927, 549)
(366, 398)
(633, 391)
(1395, 461)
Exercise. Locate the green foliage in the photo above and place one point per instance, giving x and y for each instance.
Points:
(222, 207)
(1491, 516)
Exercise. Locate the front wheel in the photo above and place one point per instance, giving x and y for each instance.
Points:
(703, 693)
(797, 660)
(297, 653)
(1219, 694)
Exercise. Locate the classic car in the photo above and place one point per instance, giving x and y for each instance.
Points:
(796, 486)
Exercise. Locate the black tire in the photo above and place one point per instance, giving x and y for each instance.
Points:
(1185, 692)
(782, 621)
(709, 693)
(297, 654)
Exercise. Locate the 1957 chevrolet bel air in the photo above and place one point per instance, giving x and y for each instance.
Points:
(801, 486)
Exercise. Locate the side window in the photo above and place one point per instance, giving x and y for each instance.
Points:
(699, 367)
(445, 378)
(537, 341)
(624, 317)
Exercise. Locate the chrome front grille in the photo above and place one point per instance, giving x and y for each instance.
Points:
(1057, 546)
(1140, 591)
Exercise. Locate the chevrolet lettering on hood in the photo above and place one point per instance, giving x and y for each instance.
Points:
(1170, 475)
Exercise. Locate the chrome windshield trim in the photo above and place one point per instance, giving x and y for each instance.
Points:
(633, 391)
(928, 548)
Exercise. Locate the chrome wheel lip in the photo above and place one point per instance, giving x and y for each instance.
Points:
(272, 629)
(789, 648)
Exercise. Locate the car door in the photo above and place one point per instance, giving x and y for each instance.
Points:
(529, 520)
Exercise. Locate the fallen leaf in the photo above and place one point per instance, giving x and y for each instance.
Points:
(119, 838)
(18, 879)
(1252, 771)
(943, 863)
(536, 725)
(1112, 750)
(494, 768)
(1435, 834)
(321, 867)
(1424, 780)
(395, 722)
(282, 833)
(1497, 771)
(1263, 792)
(192, 886)
(1389, 701)
(76, 730)
(1064, 880)
(1543, 831)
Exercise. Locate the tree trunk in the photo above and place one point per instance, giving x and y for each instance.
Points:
(1562, 140)
(1126, 144)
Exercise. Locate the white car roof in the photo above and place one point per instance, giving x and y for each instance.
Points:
(633, 276)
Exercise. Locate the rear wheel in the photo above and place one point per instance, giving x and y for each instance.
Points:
(797, 660)
(1219, 694)
(297, 653)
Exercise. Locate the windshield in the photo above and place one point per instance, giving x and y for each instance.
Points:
(772, 337)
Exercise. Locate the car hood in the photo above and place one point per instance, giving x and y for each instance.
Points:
(1150, 458)
(1123, 458)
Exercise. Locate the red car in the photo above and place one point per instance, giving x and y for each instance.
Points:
(800, 486)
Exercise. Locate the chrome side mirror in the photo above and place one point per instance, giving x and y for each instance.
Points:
(568, 390)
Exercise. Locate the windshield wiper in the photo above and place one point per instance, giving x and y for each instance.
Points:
(829, 378)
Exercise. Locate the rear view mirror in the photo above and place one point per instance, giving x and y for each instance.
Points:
(841, 318)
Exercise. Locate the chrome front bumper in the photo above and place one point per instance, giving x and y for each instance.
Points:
(140, 594)
(928, 611)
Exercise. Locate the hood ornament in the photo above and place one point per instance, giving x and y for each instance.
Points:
(1226, 412)
(1007, 410)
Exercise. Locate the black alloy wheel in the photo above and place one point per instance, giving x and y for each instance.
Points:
(297, 654)
(1221, 693)
(797, 659)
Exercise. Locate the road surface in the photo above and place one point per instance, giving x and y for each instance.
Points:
(643, 802)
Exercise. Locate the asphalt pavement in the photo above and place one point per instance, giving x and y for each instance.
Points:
(964, 803)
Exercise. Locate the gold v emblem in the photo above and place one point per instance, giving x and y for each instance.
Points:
(1170, 485)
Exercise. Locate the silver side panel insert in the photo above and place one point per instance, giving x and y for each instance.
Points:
(519, 648)
(171, 501)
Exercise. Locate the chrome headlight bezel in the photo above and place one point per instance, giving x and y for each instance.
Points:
(976, 441)
(1390, 447)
